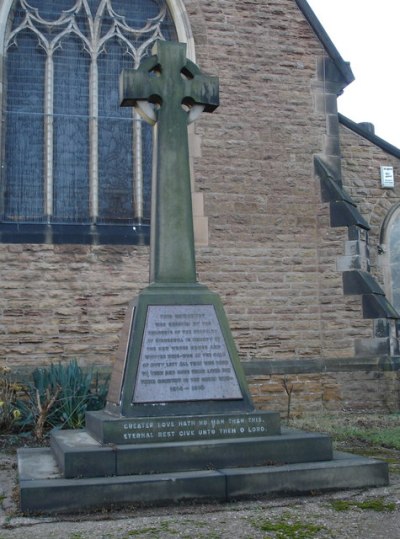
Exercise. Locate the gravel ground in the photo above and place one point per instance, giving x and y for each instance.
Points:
(304, 517)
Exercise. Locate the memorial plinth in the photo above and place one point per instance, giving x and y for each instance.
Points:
(179, 422)
(106, 428)
(177, 356)
(177, 376)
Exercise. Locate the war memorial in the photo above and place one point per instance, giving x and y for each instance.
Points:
(179, 422)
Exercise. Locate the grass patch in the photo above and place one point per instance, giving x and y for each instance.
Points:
(288, 528)
(387, 437)
(374, 504)
(372, 429)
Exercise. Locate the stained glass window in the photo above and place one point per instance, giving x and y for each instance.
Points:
(393, 243)
(71, 154)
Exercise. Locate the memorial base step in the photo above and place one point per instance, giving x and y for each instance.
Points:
(43, 489)
(78, 454)
(108, 428)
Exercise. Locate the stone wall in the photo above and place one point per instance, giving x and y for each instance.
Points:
(66, 301)
(261, 199)
(271, 251)
(354, 391)
(361, 162)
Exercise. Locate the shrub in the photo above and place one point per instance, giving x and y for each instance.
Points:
(9, 412)
(59, 396)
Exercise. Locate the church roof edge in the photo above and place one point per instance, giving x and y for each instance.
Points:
(363, 132)
(343, 66)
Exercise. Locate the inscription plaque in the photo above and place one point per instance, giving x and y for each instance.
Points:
(175, 429)
(137, 430)
(184, 357)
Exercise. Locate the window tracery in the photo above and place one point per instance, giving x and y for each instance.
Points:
(72, 155)
(391, 256)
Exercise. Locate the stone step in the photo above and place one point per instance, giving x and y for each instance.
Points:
(44, 490)
(78, 454)
(108, 428)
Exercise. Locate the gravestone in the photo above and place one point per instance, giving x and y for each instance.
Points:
(179, 422)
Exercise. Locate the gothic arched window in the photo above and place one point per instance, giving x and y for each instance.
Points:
(391, 259)
(75, 164)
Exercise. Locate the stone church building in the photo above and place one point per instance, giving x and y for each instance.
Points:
(296, 208)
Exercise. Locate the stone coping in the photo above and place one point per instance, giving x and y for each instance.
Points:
(262, 367)
(321, 365)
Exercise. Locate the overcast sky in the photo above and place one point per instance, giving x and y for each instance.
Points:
(367, 34)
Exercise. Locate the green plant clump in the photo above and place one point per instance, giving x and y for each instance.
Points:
(289, 529)
(59, 396)
(374, 504)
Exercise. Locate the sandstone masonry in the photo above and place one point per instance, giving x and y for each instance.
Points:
(272, 252)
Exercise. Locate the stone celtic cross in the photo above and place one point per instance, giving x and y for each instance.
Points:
(167, 89)
(176, 353)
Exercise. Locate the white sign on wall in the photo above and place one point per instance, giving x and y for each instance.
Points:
(387, 177)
